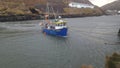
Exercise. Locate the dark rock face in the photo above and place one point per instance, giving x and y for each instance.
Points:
(119, 32)
(33, 11)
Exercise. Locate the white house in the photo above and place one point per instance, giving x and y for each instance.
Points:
(80, 5)
(119, 11)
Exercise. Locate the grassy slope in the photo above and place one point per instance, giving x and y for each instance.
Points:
(21, 7)
(13, 8)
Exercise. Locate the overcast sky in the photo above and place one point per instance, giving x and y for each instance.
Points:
(101, 2)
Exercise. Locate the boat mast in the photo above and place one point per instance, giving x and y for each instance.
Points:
(53, 12)
(50, 9)
(47, 9)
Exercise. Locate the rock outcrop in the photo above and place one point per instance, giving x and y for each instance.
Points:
(113, 61)
(112, 6)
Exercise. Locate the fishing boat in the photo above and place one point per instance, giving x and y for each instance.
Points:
(55, 27)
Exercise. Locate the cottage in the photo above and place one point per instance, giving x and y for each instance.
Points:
(80, 5)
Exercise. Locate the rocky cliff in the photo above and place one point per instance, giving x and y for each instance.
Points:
(112, 6)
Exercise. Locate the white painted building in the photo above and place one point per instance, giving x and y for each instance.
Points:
(80, 5)
(119, 11)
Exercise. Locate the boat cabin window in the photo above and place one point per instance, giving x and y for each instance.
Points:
(63, 24)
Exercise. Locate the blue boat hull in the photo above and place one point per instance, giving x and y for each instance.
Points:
(59, 32)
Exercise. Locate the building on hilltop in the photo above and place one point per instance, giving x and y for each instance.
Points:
(80, 5)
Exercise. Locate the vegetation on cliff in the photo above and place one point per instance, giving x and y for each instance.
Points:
(84, 11)
(13, 8)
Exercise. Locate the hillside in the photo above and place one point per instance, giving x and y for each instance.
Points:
(112, 6)
(41, 4)
(22, 7)
(34, 2)
(61, 4)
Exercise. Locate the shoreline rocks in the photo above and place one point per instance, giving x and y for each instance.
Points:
(113, 61)
(19, 18)
(37, 17)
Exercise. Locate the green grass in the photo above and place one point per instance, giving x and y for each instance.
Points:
(13, 8)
